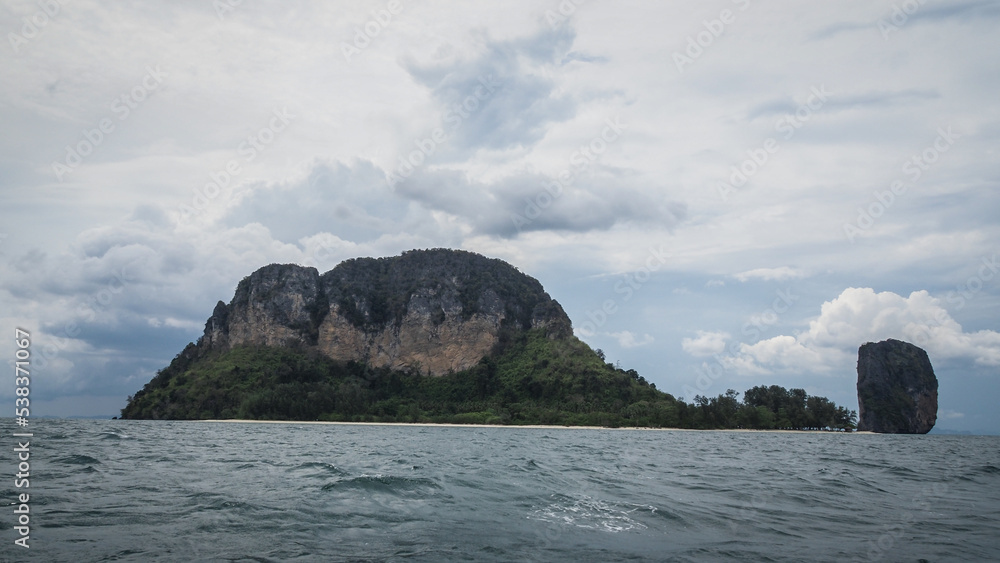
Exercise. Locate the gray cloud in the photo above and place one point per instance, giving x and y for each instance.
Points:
(972, 10)
(350, 201)
(532, 202)
(525, 99)
(841, 101)
(354, 203)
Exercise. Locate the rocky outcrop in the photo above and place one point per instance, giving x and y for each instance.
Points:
(897, 389)
(433, 311)
(274, 306)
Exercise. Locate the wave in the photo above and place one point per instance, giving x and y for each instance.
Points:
(76, 460)
(594, 514)
(382, 483)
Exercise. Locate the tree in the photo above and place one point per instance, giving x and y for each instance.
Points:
(726, 407)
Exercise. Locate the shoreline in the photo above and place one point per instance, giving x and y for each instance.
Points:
(531, 426)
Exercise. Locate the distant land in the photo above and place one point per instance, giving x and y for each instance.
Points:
(431, 336)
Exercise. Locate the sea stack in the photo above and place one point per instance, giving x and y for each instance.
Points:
(897, 389)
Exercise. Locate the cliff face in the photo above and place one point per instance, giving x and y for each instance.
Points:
(433, 310)
(897, 388)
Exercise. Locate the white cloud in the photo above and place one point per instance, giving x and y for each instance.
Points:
(627, 339)
(770, 274)
(860, 315)
(784, 352)
(183, 324)
(707, 343)
(742, 364)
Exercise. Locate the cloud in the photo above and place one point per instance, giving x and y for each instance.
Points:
(521, 203)
(351, 201)
(965, 11)
(783, 353)
(706, 343)
(524, 101)
(972, 10)
(627, 339)
(770, 274)
(873, 100)
(354, 203)
(860, 315)
(832, 30)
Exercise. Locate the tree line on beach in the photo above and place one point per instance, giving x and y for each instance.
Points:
(771, 408)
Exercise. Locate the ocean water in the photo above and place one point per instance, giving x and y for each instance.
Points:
(200, 491)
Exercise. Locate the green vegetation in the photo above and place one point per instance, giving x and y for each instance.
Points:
(532, 379)
(773, 407)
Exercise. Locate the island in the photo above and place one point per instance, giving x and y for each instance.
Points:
(438, 336)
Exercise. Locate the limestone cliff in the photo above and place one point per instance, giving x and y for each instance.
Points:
(431, 310)
(897, 388)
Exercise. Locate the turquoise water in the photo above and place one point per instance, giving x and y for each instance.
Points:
(195, 491)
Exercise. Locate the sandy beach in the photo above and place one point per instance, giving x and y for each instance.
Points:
(535, 426)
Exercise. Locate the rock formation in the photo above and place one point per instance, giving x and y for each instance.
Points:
(897, 389)
(431, 310)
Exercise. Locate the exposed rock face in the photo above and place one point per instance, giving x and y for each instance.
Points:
(432, 310)
(897, 389)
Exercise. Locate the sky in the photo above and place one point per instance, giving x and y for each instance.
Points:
(721, 194)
